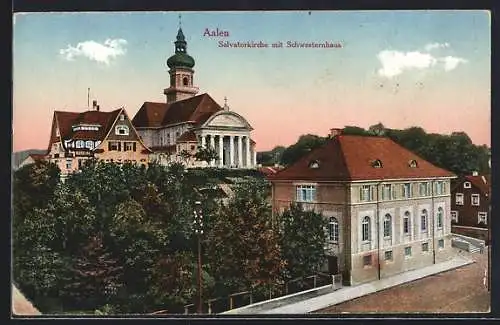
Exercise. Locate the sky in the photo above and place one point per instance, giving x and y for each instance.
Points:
(402, 68)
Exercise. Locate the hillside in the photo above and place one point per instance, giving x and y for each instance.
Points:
(18, 157)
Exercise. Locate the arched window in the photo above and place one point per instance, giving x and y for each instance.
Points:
(333, 229)
(365, 229)
(387, 225)
(423, 220)
(439, 217)
(185, 81)
(406, 223)
(121, 130)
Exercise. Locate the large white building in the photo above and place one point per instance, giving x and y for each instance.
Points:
(177, 128)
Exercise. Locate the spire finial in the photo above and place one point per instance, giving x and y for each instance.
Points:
(180, 21)
(225, 104)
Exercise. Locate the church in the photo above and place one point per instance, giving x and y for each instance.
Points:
(187, 121)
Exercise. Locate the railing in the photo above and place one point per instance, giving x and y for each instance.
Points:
(244, 298)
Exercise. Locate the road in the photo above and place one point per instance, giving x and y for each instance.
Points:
(456, 291)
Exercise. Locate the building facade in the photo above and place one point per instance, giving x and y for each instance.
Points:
(176, 129)
(471, 206)
(108, 136)
(388, 210)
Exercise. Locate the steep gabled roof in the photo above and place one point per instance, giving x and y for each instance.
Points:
(66, 120)
(195, 109)
(351, 157)
(482, 182)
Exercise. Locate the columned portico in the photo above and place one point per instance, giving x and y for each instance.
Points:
(221, 150)
(212, 145)
(240, 152)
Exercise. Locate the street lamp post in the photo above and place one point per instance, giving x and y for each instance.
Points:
(198, 230)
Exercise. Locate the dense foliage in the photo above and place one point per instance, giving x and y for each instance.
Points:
(118, 239)
(454, 152)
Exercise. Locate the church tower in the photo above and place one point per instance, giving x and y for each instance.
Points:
(181, 72)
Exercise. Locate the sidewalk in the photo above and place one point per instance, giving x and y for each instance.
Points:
(324, 297)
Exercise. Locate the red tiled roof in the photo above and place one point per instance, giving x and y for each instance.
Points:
(196, 109)
(188, 136)
(267, 171)
(482, 182)
(351, 157)
(67, 119)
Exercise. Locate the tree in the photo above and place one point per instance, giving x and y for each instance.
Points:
(304, 145)
(302, 241)
(185, 156)
(94, 278)
(242, 246)
(354, 130)
(377, 129)
(206, 154)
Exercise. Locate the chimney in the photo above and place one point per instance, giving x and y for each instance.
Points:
(475, 173)
(335, 131)
(94, 104)
(97, 108)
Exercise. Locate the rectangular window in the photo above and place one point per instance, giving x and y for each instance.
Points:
(423, 189)
(128, 146)
(407, 190)
(482, 217)
(122, 117)
(388, 255)
(365, 193)
(440, 188)
(441, 243)
(387, 192)
(408, 251)
(475, 199)
(69, 163)
(459, 199)
(306, 193)
(425, 247)
(454, 216)
(367, 260)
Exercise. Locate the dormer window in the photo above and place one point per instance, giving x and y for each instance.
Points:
(377, 163)
(413, 164)
(314, 164)
(467, 185)
(122, 117)
(121, 130)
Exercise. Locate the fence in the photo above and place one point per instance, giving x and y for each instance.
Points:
(240, 299)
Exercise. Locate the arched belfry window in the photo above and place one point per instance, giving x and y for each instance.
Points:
(185, 81)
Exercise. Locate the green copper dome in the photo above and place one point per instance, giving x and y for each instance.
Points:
(180, 58)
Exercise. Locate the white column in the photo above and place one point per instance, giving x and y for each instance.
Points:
(249, 163)
(203, 141)
(221, 150)
(240, 152)
(254, 157)
(212, 144)
(231, 151)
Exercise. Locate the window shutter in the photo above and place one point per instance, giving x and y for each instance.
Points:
(134, 145)
(109, 146)
(119, 146)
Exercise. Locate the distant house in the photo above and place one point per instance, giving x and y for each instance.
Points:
(31, 159)
(108, 136)
(387, 209)
(470, 206)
